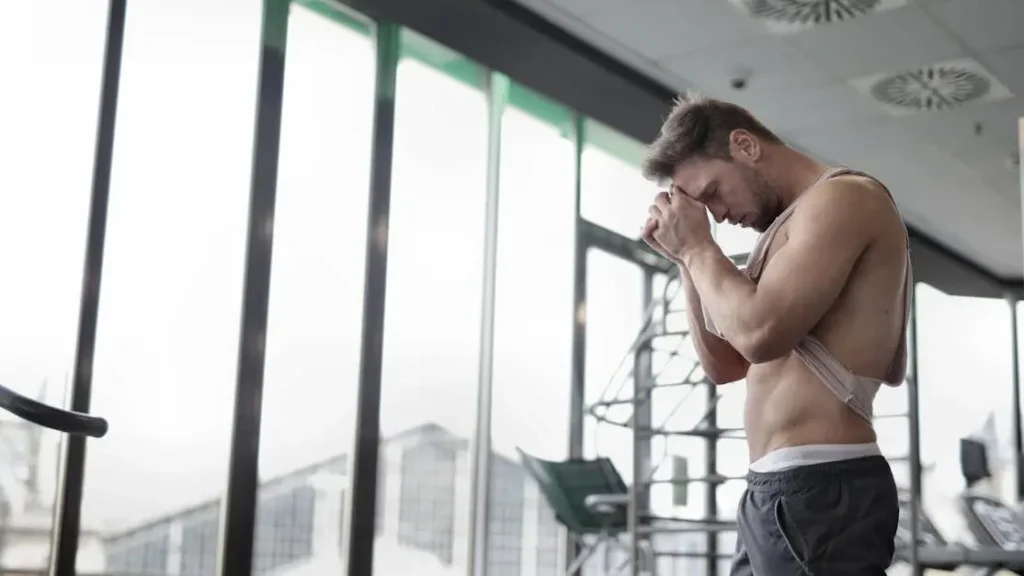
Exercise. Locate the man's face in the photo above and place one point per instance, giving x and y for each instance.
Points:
(733, 191)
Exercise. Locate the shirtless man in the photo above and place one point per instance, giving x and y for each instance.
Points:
(815, 323)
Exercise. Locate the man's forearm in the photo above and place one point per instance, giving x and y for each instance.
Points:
(694, 307)
(720, 361)
(724, 290)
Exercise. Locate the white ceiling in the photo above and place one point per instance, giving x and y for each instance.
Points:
(952, 182)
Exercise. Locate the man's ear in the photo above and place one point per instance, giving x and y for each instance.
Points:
(744, 146)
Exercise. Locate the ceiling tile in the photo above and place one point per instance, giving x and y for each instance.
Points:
(983, 25)
(876, 147)
(1007, 66)
(788, 111)
(996, 171)
(881, 42)
(768, 61)
(660, 28)
(989, 152)
(956, 130)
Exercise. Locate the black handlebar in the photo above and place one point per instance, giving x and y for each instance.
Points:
(49, 417)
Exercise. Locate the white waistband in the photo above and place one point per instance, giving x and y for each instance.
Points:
(794, 456)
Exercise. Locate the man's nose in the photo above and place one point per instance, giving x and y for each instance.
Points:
(718, 216)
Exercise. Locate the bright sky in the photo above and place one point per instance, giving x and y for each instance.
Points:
(167, 344)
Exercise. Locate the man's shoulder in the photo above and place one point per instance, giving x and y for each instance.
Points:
(850, 196)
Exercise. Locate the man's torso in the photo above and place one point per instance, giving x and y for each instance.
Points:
(787, 404)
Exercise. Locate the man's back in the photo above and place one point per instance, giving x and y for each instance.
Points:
(787, 403)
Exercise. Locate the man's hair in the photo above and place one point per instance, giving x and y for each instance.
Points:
(698, 127)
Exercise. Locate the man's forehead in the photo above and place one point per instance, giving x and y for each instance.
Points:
(690, 178)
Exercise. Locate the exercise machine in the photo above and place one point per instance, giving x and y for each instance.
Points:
(997, 529)
(74, 423)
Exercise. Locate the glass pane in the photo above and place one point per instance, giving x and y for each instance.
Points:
(731, 403)
(965, 368)
(166, 353)
(46, 142)
(892, 426)
(614, 318)
(733, 456)
(533, 338)
(432, 322)
(313, 337)
(891, 400)
(615, 297)
(735, 239)
(679, 403)
(728, 495)
(613, 193)
(893, 436)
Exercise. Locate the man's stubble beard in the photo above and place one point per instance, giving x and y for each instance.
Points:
(771, 210)
(768, 197)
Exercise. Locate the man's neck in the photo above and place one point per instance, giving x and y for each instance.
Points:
(797, 172)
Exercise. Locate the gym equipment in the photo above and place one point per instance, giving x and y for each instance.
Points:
(659, 363)
(997, 528)
(591, 500)
(74, 423)
(973, 461)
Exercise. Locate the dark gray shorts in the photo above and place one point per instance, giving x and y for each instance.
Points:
(832, 519)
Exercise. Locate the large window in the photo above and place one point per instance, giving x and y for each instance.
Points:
(166, 353)
(613, 195)
(316, 287)
(46, 142)
(433, 304)
(965, 387)
(614, 315)
(892, 424)
(533, 326)
(681, 403)
(735, 240)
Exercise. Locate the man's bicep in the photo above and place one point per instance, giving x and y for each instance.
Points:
(804, 278)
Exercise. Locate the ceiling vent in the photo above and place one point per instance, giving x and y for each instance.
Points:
(789, 16)
(934, 87)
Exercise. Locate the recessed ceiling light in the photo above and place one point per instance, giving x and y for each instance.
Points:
(938, 86)
(787, 16)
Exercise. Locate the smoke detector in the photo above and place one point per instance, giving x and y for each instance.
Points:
(933, 87)
(789, 16)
